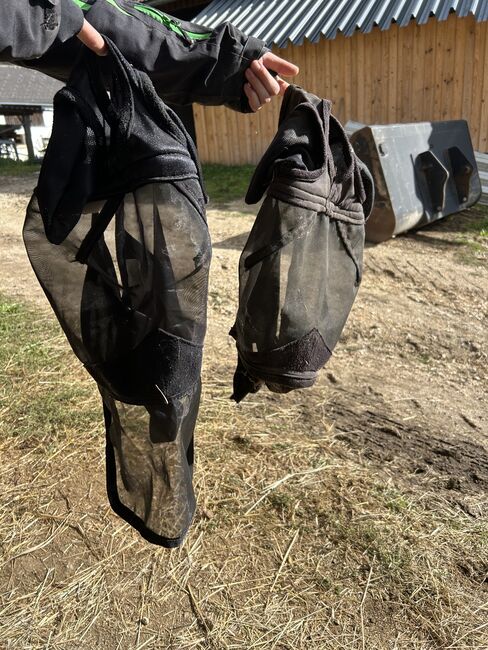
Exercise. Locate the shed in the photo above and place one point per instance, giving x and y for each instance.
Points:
(23, 94)
(379, 61)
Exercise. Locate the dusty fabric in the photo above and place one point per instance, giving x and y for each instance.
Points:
(301, 267)
(130, 292)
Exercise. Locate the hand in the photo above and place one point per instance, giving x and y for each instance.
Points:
(93, 39)
(261, 86)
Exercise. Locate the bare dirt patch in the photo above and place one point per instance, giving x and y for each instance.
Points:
(17, 277)
(349, 515)
(407, 384)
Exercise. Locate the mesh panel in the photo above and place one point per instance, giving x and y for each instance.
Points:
(149, 464)
(284, 293)
(135, 315)
(304, 283)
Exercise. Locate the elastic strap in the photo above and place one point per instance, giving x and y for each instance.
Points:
(341, 229)
(98, 228)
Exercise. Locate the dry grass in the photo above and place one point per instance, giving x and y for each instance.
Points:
(298, 543)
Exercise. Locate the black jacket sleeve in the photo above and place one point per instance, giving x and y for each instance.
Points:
(186, 62)
(28, 28)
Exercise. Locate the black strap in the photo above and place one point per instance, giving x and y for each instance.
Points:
(98, 228)
(277, 244)
(342, 230)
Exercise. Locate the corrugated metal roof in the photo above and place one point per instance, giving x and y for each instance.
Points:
(280, 21)
(23, 87)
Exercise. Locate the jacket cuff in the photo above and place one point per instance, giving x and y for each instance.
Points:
(253, 49)
(71, 20)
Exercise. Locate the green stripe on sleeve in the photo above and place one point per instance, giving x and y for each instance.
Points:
(82, 5)
(170, 23)
(114, 4)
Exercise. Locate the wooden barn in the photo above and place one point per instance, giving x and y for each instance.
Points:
(379, 61)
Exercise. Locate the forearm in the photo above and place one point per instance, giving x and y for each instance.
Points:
(186, 62)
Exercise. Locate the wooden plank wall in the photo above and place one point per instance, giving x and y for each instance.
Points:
(431, 72)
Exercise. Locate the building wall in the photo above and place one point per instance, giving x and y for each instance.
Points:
(436, 71)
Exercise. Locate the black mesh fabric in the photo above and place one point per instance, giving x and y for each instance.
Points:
(301, 267)
(129, 289)
(117, 236)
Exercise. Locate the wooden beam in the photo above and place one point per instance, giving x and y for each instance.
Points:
(26, 123)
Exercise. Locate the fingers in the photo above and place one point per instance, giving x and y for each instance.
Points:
(262, 86)
(279, 65)
(270, 85)
(259, 87)
(283, 85)
(92, 39)
(252, 97)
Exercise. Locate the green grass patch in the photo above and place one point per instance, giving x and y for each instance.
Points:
(43, 391)
(18, 168)
(223, 183)
(479, 227)
(473, 237)
(227, 183)
(477, 223)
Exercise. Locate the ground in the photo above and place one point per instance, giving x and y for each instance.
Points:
(349, 515)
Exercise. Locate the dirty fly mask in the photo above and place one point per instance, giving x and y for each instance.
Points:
(301, 267)
(116, 234)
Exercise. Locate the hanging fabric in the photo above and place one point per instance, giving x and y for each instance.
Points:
(117, 236)
(301, 267)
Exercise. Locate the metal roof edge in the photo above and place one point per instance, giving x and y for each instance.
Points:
(345, 17)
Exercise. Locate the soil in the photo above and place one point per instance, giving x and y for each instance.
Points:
(407, 384)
